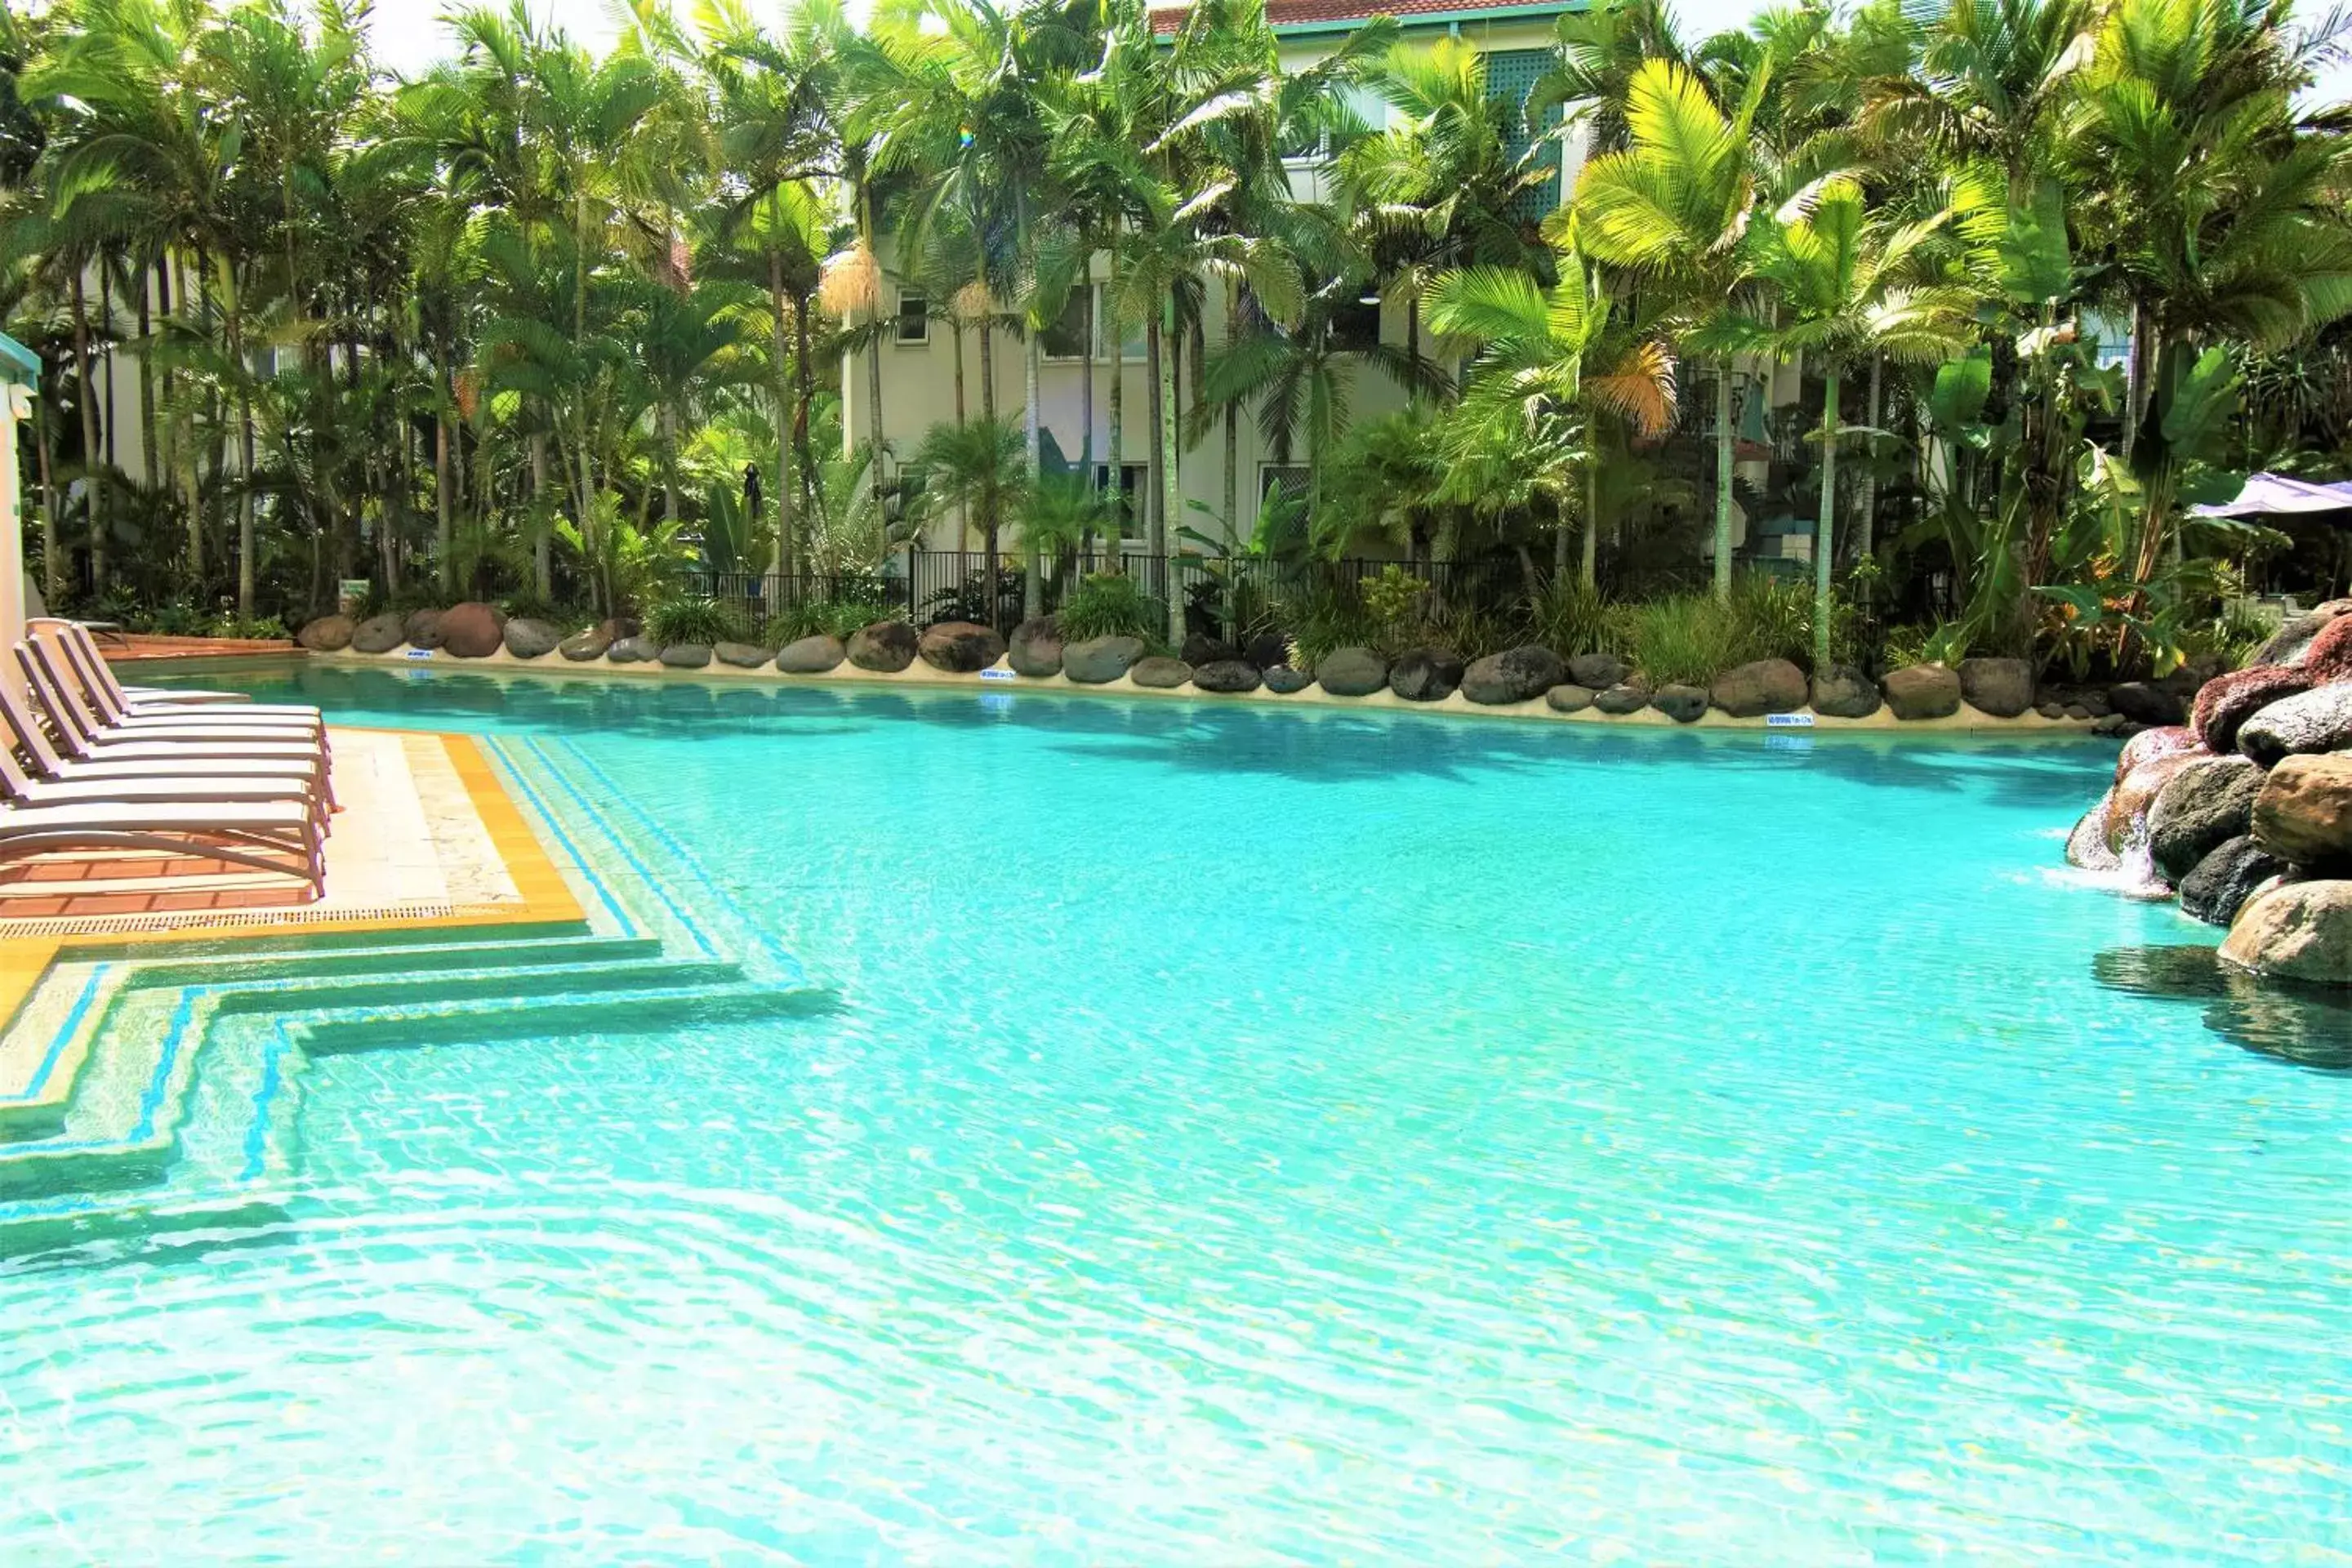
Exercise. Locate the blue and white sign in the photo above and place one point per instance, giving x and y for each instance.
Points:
(420, 653)
(1789, 720)
(996, 675)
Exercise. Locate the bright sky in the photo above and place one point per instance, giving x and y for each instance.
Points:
(409, 35)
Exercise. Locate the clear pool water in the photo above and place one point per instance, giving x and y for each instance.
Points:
(1252, 1137)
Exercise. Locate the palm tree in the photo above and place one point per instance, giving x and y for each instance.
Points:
(1673, 205)
(1844, 288)
(974, 468)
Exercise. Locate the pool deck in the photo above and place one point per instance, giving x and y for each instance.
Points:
(427, 839)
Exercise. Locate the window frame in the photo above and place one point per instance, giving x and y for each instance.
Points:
(898, 337)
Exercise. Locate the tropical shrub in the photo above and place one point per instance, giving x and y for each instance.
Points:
(692, 620)
(1570, 618)
(821, 617)
(1684, 637)
(1112, 604)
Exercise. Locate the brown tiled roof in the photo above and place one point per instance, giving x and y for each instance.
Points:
(1286, 13)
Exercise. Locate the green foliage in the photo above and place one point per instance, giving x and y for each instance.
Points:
(1110, 604)
(821, 617)
(1570, 618)
(692, 620)
(1684, 637)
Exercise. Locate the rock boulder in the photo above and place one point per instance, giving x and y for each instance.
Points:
(2316, 720)
(2220, 883)
(811, 656)
(422, 628)
(473, 629)
(2209, 800)
(2291, 641)
(1598, 670)
(528, 639)
(1283, 679)
(1515, 675)
(2133, 796)
(1682, 704)
(1845, 694)
(2003, 687)
(960, 648)
(2086, 846)
(1765, 685)
(886, 647)
(2296, 931)
(2227, 702)
(687, 656)
(1036, 649)
(740, 654)
(1426, 674)
(1351, 672)
(2144, 702)
(1568, 698)
(633, 651)
(378, 633)
(2329, 657)
(1922, 691)
(583, 646)
(1629, 696)
(2304, 814)
(1229, 674)
(1101, 660)
(1201, 649)
(1159, 673)
(327, 633)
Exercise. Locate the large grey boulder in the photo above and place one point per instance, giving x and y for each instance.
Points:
(2291, 641)
(527, 639)
(1426, 674)
(1628, 696)
(811, 656)
(1283, 679)
(1845, 692)
(327, 633)
(421, 629)
(473, 629)
(1568, 698)
(378, 633)
(2211, 799)
(2318, 720)
(581, 646)
(740, 654)
(2225, 702)
(1098, 661)
(886, 647)
(2001, 687)
(1515, 675)
(1765, 685)
(2296, 931)
(1159, 673)
(1351, 672)
(2304, 813)
(1036, 649)
(960, 648)
(1922, 691)
(687, 656)
(2222, 881)
(1598, 670)
(633, 650)
(1228, 675)
(1682, 704)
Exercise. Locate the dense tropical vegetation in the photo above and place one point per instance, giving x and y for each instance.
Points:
(2037, 275)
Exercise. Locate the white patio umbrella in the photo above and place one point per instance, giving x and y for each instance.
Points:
(2276, 495)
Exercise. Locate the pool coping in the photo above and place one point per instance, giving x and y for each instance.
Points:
(1000, 677)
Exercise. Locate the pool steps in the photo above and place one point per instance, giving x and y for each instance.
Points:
(170, 1086)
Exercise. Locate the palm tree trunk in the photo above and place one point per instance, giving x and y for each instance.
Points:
(989, 521)
(1723, 480)
(149, 466)
(1033, 599)
(89, 443)
(1589, 571)
(1232, 425)
(1826, 538)
(803, 394)
(441, 482)
(787, 513)
(963, 508)
(541, 547)
(1087, 386)
(1864, 529)
(1113, 427)
(1154, 454)
(53, 579)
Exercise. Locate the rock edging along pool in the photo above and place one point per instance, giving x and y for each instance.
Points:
(1254, 1136)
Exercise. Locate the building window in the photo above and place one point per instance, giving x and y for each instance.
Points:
(914, 317)
(1282, 481)
(1065, 338)
(1356, 323)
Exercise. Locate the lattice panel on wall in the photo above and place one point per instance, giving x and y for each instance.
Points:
(1510, 75)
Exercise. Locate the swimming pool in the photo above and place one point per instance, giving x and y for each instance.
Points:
(1243, 1136)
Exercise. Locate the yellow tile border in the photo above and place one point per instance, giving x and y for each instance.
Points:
(546, 898)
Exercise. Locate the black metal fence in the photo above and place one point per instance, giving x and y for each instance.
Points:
(1227, 596)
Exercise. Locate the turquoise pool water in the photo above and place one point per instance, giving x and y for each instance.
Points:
(1251, 1137)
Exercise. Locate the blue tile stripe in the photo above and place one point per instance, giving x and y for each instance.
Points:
(65, 1032)
(642, 872)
